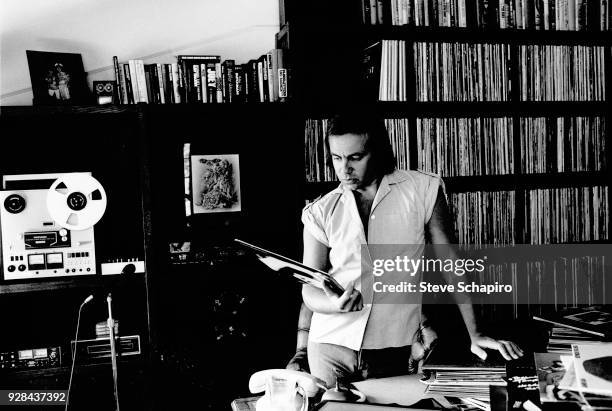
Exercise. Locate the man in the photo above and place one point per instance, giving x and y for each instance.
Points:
(374, 204)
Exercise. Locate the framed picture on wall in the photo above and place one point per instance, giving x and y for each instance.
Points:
(215, 183)
(58, 78)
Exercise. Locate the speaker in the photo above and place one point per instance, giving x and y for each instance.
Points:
(105, 92)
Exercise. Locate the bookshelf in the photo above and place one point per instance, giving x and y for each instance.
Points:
(529, 180)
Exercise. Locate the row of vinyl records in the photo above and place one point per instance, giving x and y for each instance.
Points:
(551, 216)
(573, 15)
(542, 287)
(482, 72)
(485, 146)
(480, 146)
(203, 79)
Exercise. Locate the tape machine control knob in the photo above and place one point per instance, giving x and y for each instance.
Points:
(10, 268)
(22, 267)
(14, 204)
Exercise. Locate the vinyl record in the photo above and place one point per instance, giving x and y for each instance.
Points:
(76, 201)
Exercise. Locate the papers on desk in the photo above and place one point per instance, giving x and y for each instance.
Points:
(463, 375)
(587, 321)
(593, 368)
(583, 377)
(561, 340)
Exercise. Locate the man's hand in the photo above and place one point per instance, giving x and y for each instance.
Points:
(299, 362)
(350, 300)
(508, 349)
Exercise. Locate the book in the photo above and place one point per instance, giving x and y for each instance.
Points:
(129, 91)
(276, 65)
(134, 80)
(211, 82)
(301, 272)
(148, 75)
(141, 80)
(176, 86)
(118, 81)
(161, 82)
(239, 84)
(218, 82)
(168, 87)
(229, 83)
(252, 82)
(262, 74)
(187, 64)
(591, 321)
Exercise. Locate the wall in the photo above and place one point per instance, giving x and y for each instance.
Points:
(152, 30)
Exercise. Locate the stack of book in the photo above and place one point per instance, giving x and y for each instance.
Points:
(203, 79)
(463, 375)
(585, 326)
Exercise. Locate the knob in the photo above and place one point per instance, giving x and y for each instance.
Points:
(14, 204)
(129, 269)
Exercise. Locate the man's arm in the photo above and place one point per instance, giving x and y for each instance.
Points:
(299, 362)
(440, 231)
(316, 255)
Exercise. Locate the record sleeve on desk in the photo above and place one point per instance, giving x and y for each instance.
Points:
(591, 321)
(462, 360)
(593, 366)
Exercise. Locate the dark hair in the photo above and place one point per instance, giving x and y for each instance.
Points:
(364, 123)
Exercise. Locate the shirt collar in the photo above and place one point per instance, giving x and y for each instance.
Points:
(397, 176)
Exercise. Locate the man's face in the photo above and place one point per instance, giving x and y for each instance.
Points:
(352, 160)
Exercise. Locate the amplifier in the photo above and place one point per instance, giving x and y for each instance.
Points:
(31, 358)
(97, 350)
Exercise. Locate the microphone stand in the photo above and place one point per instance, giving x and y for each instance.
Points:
(76, 341)
(111, 328)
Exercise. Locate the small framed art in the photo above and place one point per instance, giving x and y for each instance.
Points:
(58, 78)
(215, 183)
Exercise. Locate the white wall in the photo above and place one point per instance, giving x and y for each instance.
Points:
(152, 30)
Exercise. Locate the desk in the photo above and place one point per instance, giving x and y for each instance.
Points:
(404, 390)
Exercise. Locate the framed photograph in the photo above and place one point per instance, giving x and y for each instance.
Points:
(215, 183)
(58, 78)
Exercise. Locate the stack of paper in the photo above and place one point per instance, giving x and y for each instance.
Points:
(584, 377)
(463, 375)
(585, 326)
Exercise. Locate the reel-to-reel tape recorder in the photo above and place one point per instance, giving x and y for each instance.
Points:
(47, 230)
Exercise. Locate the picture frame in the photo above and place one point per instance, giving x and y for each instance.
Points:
(215, 183)
(58, 78)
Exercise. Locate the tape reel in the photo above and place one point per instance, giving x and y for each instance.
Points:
(76, 201)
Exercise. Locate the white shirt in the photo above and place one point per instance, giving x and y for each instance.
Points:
(402, 206)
